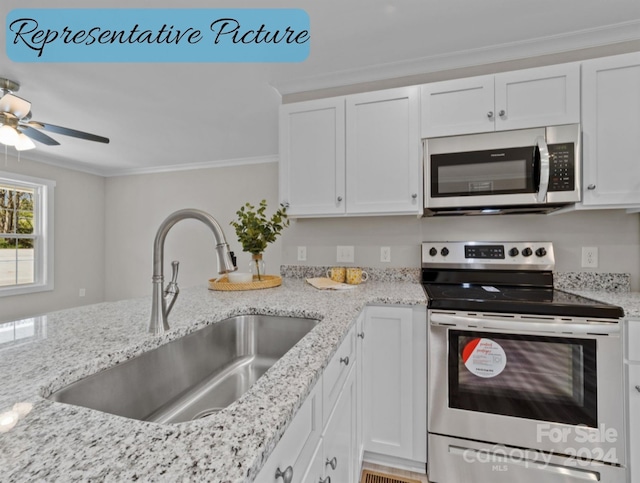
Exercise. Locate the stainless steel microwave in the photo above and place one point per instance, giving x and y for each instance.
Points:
(521, 171)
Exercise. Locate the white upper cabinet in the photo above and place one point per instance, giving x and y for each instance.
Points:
(460, 106)
(312, 157)
(611, 131)
(355, 155)
(542, 96)
(383, 152)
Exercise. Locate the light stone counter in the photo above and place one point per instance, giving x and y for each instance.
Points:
(59, 442)
(629, 301)
(611, 288)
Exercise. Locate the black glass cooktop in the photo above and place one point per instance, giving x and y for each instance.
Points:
(516, 300)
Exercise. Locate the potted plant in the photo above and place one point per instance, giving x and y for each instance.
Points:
(255, 231)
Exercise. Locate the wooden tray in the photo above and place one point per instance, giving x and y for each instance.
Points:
(268, 281)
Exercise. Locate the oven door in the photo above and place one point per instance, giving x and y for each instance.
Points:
(529, 382)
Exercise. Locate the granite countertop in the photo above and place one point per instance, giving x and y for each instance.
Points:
(63, 442)
(629, 301)
(612, 288)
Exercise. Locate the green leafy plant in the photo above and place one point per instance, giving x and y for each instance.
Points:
(255, 231)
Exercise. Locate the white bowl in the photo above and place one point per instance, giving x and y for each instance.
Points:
(240, 277)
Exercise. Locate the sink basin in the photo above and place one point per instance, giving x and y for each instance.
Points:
(191, 377)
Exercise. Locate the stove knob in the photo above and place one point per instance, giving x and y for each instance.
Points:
(444, 252)
(541, 252)
(433, 252)
(527, 252)
(513, 252)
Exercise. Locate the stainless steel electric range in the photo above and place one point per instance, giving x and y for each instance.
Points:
(525, 381)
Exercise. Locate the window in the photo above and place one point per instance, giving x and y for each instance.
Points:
(26, 234)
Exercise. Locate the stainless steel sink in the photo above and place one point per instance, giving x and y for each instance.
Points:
(190, 377)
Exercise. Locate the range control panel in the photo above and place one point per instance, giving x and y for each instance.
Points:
(496, 255)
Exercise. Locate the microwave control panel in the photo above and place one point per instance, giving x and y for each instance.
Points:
(561, 167)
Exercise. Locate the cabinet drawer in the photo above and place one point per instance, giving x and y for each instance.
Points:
(633, 340)
(336, 372)
(297, 446)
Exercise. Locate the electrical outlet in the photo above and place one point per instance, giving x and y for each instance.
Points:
(385, 254)
(345, 254)
(589, 257)
(302, 254)
(82, 292)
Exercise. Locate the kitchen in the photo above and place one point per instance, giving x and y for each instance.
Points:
(120, 212)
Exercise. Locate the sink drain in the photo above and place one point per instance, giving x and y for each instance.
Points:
(206, 412)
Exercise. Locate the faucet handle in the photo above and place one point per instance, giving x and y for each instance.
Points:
(174, 271)
(172, 290)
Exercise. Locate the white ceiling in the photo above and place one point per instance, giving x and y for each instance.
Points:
(160, 116)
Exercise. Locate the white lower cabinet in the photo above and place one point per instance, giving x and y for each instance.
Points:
(289, 460)
(336, 457)
(339, 438)
(394, 384)
(371, 398)
(633, 392)
(315, 472)
(634, 421)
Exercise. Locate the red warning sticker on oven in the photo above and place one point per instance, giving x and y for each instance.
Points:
(484, 357)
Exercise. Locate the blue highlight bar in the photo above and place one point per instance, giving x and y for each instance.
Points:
(157, 35)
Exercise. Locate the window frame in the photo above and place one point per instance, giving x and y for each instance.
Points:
(43, 230)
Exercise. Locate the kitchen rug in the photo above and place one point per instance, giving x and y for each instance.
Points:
(369, 476)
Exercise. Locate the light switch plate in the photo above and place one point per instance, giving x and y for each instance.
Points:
(345, 253)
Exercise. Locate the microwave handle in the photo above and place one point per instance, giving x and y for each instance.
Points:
(541, 145)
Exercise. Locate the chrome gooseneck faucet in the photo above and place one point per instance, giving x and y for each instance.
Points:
(163, 299)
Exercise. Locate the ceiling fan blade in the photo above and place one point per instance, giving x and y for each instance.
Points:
(15, 105)
(38, 136)
(68, 132)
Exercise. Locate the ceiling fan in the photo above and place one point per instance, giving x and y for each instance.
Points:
(18, 130)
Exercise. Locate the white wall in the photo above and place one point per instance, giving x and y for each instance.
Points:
(615, 233)
(78, 239)
(137, 205)
(104, 231)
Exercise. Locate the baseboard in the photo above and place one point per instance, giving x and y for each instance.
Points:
(395, 462)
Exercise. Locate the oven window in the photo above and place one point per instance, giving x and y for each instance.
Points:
(482, 173)
(533, 377)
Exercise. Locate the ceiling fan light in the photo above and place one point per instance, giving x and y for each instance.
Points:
(24, 143)
(8, 135)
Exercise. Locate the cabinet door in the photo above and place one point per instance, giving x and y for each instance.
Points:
(315, 472)
(296, 447)
(336, 373)
(383, 152)
(634, 421)
(544, 96)
(388, 390)
(312, 157)
(461, 106)
(339, 438)
(610, 127)
(359, 385)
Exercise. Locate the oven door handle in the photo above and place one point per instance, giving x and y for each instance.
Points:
(519, 325)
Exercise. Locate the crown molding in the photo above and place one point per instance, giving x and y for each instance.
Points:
(223, 163)
(554, 44)
(108, 173)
